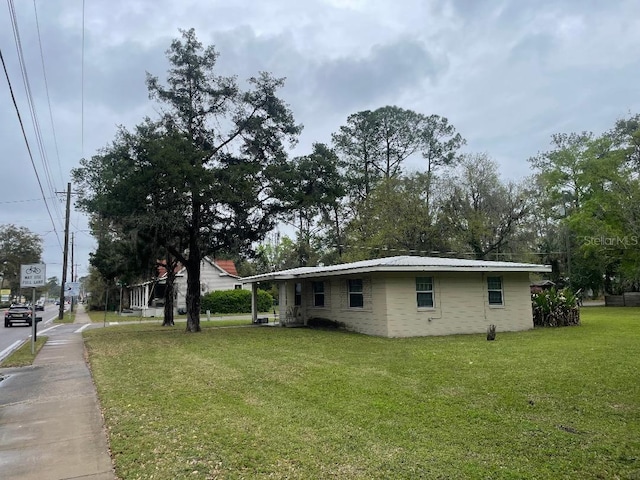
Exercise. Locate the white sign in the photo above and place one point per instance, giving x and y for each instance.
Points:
(71, 289)
(34, 275)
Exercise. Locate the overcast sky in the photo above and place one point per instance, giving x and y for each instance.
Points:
(507, 74)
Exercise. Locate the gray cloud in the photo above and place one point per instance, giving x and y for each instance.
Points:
(507, 74)
(384, 72)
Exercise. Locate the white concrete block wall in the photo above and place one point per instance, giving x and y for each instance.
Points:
(517, 313)
(390, 307)
(371, 318)
(461, 305)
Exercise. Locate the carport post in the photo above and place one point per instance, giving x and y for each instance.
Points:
(254, 302)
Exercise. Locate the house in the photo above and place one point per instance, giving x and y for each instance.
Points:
(538, 286)
(408, 296)
(214, 275)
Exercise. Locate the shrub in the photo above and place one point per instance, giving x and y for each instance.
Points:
(234, 301)
(555, 308)
(323, 323)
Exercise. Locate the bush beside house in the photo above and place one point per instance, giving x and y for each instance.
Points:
(555, 308)
(235, 301)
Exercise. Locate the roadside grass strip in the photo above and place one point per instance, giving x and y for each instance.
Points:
(22, 357)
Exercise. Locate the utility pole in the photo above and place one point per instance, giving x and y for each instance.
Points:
(66, 253)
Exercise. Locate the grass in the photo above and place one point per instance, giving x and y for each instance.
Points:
(295, 403)
(23, 357)
(68, 317)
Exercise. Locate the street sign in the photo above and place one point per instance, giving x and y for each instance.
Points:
(34, 275)
(71, 289)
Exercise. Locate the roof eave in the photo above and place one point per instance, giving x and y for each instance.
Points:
(388, 269)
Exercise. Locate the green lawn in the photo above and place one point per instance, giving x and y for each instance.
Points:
(67, 317)
(114, 317)
(309, 404)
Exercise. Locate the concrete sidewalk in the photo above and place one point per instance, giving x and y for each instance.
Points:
(50, 421)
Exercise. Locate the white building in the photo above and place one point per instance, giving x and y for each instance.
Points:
(408, 296)
(214, 275)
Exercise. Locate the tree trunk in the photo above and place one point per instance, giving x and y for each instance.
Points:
(338, 232)
(428, 192)
(168, 297)
(193, 269)
(193, 294)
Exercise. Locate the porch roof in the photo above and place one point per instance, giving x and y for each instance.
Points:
(404, 263)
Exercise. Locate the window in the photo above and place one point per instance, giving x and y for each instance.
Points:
(297, 300)
(356, 298)
(318, 294)
(494, 286)
(237, 287)
(424, 292)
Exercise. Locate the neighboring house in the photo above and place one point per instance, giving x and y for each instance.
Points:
(538, 286)
(408, 296)
(214, 275)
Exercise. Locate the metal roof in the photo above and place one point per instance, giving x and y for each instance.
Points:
(404, 263)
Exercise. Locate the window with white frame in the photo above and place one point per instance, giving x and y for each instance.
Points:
(356, 296)
(424, 292)
(318, 294)
(494, 287)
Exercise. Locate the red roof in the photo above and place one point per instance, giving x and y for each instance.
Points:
(228, 266)
(162, 269)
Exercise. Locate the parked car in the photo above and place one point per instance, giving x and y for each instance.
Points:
(19, 313)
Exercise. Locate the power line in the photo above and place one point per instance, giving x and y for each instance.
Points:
(82, 89)
(24, 201)
(46, 86)
(24, 135)
(438, 252)
(32, 110)
(28, 93)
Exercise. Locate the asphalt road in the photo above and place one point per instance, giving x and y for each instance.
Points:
(13, 337)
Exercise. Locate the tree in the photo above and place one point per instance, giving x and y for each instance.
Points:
(399, 134)
(277, 253)
(53, 287)
(589, 191)
(18, 246)
(482, 212)
(102, 294)
(201, 178)
(374, 146)
(358, 142)
(396, 219)
(626, 139)
(439, 146)
(312, 189)
(561, 169)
